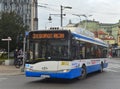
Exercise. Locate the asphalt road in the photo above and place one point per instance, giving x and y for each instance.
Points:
(109, 79)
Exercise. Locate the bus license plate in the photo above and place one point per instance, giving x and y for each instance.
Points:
(45, 76)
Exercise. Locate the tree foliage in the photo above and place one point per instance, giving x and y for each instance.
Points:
(11, 25)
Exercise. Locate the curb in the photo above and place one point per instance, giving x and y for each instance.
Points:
(11, 74)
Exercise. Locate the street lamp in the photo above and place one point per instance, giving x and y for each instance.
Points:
(50, 18)
(61, 15)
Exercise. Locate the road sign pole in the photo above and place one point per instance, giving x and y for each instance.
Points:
(8, 48)
(8, 39)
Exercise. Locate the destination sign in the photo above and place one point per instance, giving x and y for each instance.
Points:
(48, 35)
(57, 34)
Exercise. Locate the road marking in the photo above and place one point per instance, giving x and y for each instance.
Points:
(113, 67)
(1, 79)
(110, 70)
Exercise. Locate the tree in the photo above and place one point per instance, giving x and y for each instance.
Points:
(11, 25)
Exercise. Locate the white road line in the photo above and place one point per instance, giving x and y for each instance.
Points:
(1, 79)
(113, 67)
(111, 70)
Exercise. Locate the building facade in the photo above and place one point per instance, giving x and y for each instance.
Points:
(118, 39)
(22, 7)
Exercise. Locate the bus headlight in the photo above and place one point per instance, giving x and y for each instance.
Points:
(30, 68)
(65, 70)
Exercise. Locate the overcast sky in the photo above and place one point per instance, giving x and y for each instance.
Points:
(104, 11)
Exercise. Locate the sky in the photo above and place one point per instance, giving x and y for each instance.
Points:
(104, 11)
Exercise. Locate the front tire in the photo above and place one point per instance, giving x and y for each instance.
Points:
(83, 73)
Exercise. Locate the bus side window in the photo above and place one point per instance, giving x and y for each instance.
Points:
(87, 51)
(92, 52)
(99, 53)
(81, 51)
(74, 49)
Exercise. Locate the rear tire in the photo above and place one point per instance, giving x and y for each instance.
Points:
(17, 64)
(101, 68)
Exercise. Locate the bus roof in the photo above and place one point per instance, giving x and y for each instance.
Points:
(89, 39)
(87, 36)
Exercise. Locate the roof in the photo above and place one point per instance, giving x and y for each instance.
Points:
(100, 32)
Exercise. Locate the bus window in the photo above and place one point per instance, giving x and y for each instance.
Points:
(64, 50)
(82, 50)
(88, 51)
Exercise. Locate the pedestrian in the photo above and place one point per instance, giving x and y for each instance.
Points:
(31, 54)
(15, 55)
(20, 52)
(20, 55)
(110, 54)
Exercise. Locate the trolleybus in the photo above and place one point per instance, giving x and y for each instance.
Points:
(64, 54)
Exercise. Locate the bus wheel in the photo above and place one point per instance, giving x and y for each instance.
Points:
(101, 68)
(83, 73)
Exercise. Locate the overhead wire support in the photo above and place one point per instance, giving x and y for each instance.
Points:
(41, 6)
(47, 7)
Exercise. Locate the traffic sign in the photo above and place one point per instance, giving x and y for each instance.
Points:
(7, 39)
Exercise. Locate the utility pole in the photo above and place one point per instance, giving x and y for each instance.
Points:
(34, 17)
(61, 14)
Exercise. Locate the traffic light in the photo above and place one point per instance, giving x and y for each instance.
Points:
(19, 41)
(21, 38)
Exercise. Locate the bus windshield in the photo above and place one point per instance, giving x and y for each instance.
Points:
(44, 50)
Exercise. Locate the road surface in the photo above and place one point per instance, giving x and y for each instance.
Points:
(109, 79)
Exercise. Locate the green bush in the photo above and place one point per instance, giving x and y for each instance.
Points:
(4, 56)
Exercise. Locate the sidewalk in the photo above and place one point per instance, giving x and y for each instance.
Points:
(10, 70)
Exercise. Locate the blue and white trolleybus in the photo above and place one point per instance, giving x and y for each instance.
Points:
(64, 54)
